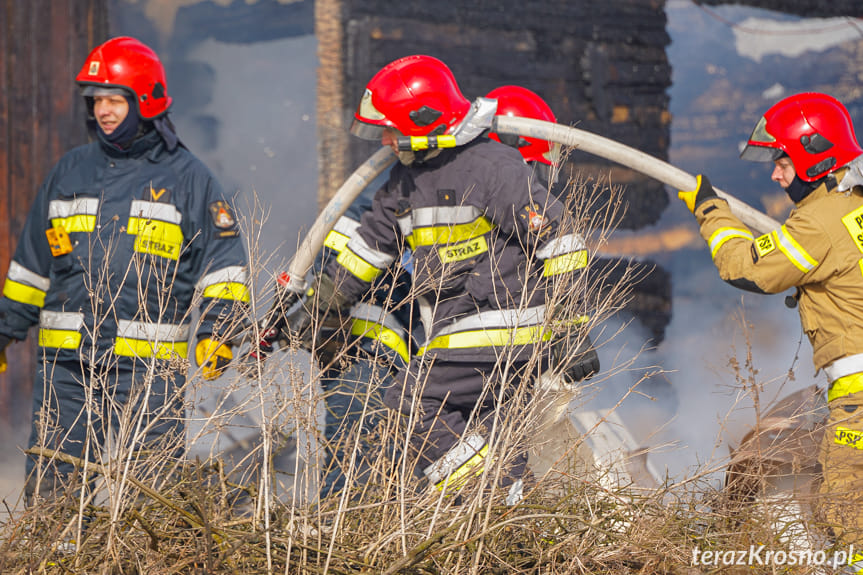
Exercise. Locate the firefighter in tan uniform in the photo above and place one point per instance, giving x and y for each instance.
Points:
(818, 250)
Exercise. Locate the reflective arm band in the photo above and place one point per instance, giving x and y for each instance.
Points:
(336, 241)
(473, 467)
(565, 263)
(23, 293)
(722, 235)
(794, 251)
(386, 336)
(228, 291)
(845, 386)
(357, 266)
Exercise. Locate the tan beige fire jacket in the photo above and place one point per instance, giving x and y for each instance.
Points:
(819, 250)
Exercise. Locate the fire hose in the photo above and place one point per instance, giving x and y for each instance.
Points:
(292, 284)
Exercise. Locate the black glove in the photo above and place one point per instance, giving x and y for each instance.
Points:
(703, 191)
(575, 356)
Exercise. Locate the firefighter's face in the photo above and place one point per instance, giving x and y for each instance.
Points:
(110, 111)
(783, 172)
(390, 137)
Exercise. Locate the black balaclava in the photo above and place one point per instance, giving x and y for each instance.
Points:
(124, 134)
(798, 189)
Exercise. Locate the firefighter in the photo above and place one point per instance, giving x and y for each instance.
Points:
(543, 156)
(810, 139)
(123, 235)
(486, 243)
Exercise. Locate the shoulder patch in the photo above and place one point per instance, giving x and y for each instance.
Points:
(223, 216)
(536, 220)
(765, 244)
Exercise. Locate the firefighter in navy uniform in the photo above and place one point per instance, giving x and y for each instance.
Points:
(818, 250)
(124, 235)
(485, 248)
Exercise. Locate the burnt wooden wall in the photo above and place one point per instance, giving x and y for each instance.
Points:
(43, 44)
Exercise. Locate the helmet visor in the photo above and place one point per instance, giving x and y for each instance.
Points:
(92, 90)
(366, 131)
(761, 147)
(553, 154)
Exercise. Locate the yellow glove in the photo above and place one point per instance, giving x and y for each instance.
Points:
(3, 361)
(213, 357)
(703, 191)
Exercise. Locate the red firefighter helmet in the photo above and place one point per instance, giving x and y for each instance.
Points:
(416, 95)
(813, 129)
(523, 103)
(125, 62)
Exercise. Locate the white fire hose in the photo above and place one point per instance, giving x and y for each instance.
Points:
(564, 135)
(629, 157)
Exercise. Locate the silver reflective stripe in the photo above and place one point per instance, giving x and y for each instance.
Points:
(20, 274)
(567, 244)
(152, 331)
(71, 321)
(376, 314)
(718, 239)
(405, 225)
(346, 226)
(444, 215)
(790, 249)
(457, 455)
(230, 274)
(376, 258)
(156, 211)
(844, 366)
(76, 207)
(502, 318)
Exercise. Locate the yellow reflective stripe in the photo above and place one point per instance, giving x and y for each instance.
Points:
(228, 290)
(470, 468)
(59, 338)
(76, 223)
(489, 338)
(128, 347)
(794, 251)
(22, 293)
(722, 235)
(845, 386)
(385, 335)
(565, 263)
(156, 237)
(358, 266)
(849, 437)
(437, 235)
(336, 241)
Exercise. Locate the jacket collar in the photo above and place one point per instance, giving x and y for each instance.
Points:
(149, 144)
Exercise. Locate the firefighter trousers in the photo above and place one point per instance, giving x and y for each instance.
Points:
(94, 414)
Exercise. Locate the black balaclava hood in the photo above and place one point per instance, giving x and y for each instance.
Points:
(127, 131)
(798, 189)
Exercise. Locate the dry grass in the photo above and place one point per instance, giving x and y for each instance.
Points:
(251, 509)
